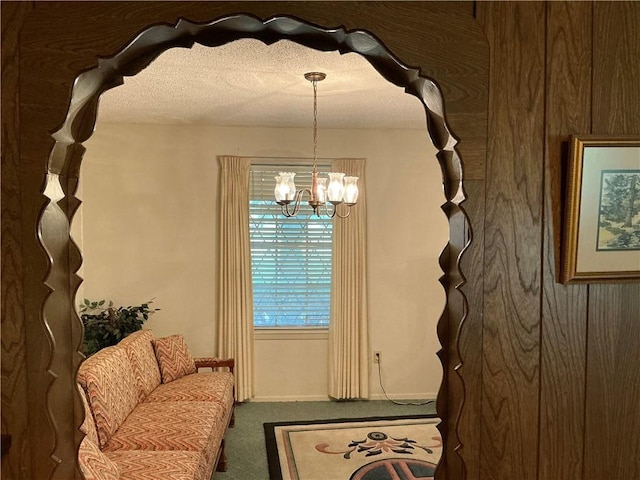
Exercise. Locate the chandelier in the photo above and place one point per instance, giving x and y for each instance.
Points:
(339, 190)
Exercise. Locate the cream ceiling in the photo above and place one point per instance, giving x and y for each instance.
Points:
(247, 83)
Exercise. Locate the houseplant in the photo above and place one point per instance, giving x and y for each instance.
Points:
(106, 325)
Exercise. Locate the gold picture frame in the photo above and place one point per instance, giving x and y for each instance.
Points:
(601, 241)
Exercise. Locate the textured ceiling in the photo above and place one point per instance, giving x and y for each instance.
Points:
(247, 83)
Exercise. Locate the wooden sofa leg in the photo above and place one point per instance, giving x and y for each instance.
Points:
(222, 461)
(232, 422)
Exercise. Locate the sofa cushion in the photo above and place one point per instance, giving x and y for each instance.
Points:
(146, 465)
(202, 386)
(107, 378)
(139, 349)
(187, 426)
(174, 358)
(94, 464)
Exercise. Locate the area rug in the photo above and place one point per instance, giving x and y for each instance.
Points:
(388, 448)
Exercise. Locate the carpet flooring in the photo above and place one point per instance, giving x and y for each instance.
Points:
(245, 443)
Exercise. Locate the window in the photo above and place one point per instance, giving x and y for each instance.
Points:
(290, 257)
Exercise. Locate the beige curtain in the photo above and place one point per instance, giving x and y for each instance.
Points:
(348, 325)
(235, 296)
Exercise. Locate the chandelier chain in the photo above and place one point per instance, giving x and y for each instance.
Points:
(315, 125)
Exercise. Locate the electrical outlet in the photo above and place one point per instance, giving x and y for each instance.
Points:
(377, 357)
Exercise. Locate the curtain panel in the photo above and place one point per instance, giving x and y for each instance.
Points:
(348, 326)
(235, 296)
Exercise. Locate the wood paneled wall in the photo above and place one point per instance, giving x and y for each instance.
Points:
(560, 370)
(551, 372)
(14, 362)
(612, 407)
(563, 341)
(513, 244)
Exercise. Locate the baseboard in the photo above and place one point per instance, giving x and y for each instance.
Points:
(292, 398)
(325, 398)
(404, 396)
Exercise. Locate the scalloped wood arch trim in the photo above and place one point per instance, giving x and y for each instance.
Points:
(62, 176)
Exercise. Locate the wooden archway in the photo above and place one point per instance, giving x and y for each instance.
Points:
(65, 158)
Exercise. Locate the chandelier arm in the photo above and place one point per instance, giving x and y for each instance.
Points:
(284, 207)
(298, 200)
(285, 210)
(330, 214)
(342, 216)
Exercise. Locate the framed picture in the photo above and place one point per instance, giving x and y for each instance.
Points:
(602, 216)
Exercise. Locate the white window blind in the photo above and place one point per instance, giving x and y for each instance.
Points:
(290, 257)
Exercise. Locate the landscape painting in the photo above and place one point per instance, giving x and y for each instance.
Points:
(601, 231)
(619, 212)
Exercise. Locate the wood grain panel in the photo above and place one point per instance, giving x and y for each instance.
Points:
(616, 68)
(612, 443)
(613, 376)
(17, 463)
(513, 246)
(564, 308)
(470, 344)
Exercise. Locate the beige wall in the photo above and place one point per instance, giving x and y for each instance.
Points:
(148, 231)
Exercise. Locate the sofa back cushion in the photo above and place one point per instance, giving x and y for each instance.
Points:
(139, 349)
(107, 378)
(174, 358)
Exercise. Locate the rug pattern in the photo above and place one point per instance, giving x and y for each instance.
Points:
(392, 448)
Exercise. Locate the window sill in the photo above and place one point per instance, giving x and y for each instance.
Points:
(306, 333)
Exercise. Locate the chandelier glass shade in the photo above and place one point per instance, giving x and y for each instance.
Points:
(337, 189)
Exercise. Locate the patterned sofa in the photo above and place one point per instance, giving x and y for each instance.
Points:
(150, 414)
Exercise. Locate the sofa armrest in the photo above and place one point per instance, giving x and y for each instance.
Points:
(213, 362)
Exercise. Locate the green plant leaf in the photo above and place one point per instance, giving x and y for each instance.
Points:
(107, 325)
